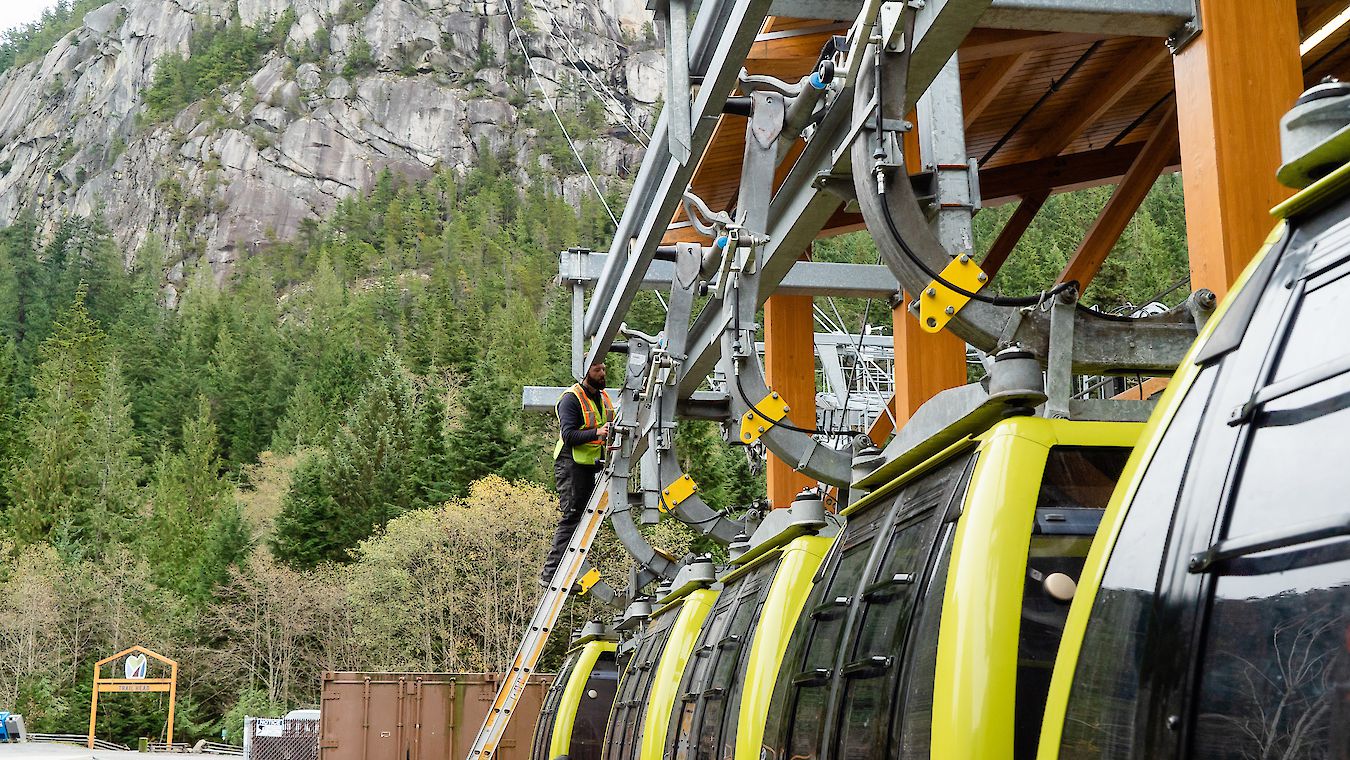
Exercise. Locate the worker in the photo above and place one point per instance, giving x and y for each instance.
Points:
(584, 413)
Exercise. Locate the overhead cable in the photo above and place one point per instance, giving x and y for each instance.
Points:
(552, 107)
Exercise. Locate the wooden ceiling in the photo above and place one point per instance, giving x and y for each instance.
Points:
(1044, 112)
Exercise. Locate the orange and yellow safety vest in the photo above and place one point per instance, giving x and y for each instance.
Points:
(591, 419)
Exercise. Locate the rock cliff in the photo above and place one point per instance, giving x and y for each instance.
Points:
(440, 81)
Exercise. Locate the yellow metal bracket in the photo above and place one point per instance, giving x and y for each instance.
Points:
(675, 493)
(587, 581)
(768, 411)
(939, 303)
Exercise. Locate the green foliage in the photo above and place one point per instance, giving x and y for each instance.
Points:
(387, 459)
(28, 42)
(223, 53)
(252, 702)
(360, 58)
(487, 441)
(195, 532)
(1149, 258)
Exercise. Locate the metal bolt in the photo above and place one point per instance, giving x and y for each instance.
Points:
(965, 259)
(666, 491)
(774, 394)
(932, 322)
(982, 277)
(746, 436)
(949, 311)
(931, 293)
(761, 428)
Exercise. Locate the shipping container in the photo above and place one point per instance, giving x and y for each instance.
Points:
(419, 716)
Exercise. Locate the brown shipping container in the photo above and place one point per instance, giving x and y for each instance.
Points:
(419, 716)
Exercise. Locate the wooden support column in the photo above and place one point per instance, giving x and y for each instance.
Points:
(790, 368)
(925, 363)
(1234, 82)
(1124, 201)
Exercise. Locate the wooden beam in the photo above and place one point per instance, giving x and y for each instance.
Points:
(1150, 388)
(1311, 20)
(1122, 204)
(790, 368)
(1234, 81)
(883, 426)
(983, 44)
(1004, 184)
(1012, 232)
(981, 92)
(1137, 64)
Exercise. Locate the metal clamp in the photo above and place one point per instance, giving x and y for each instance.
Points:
(676, 492)
(939, 303)
(765, 415)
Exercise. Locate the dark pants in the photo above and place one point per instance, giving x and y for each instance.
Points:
(575, 483)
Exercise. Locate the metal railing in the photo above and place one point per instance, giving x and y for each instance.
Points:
(79, 740)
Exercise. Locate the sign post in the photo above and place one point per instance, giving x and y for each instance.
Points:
(135, 669)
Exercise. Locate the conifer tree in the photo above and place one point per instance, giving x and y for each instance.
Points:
(368, 475)
(188, 541)
(486, 441)
(44, 480)
(110, 468)
(431, 456)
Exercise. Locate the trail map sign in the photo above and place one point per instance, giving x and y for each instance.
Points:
(135, 668)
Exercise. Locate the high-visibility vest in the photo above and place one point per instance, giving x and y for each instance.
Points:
(591, 419)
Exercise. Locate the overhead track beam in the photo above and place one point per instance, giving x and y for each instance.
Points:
(1135, 18)
(721, 37)
(806, 278)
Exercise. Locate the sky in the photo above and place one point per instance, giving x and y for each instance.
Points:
(15, 12)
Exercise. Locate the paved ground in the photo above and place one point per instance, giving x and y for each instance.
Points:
(51, 751)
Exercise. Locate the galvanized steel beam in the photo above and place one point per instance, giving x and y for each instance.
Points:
(806, 278)
(720, 40)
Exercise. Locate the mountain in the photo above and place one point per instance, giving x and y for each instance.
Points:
(221, 126)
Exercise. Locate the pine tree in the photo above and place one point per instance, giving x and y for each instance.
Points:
(368, 475)
(44, 482)
(189, 543)
(486, 441)
(431, 455)
(110, 468)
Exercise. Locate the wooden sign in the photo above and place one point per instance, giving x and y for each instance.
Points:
(135, 668)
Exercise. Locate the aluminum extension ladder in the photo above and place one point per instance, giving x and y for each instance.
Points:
(541, 625)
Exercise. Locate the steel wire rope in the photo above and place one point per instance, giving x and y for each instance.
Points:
(629, 120)
(611, 101)
(520, 40)
(571, 44)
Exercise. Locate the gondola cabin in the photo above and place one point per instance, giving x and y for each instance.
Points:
(1214, 616)
(932, 627)
(572, 722)
(725, 692)
(637, 725)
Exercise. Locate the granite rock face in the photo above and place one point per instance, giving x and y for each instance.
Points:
(220, 182)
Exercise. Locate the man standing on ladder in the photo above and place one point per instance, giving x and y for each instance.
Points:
(584, 412)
